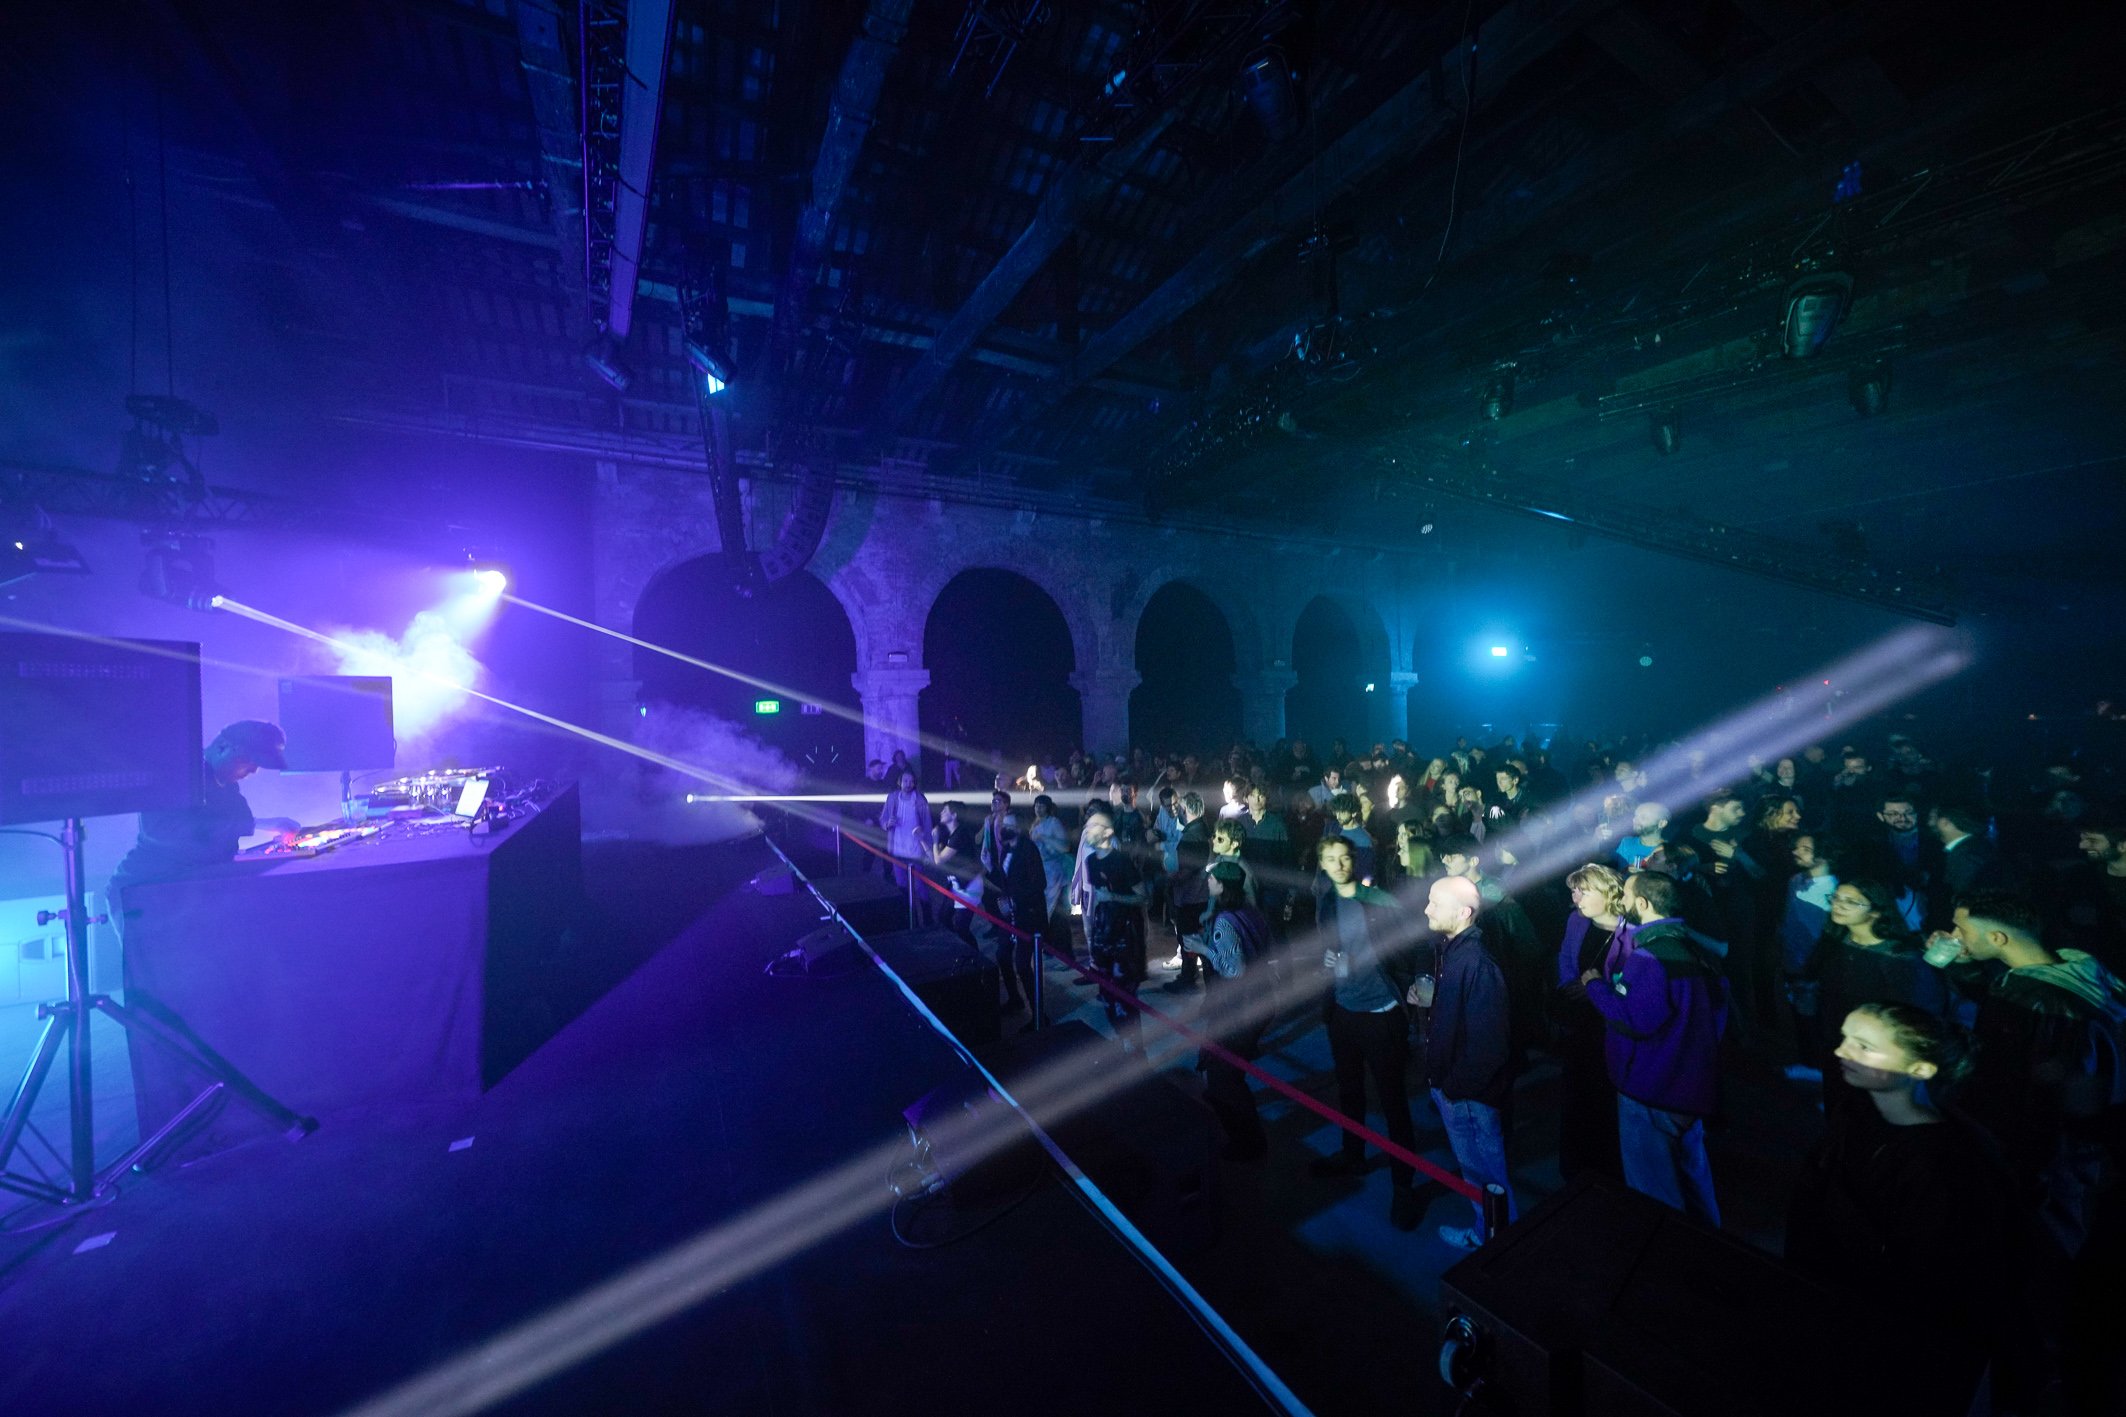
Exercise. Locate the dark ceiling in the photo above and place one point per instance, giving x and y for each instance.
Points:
(1325, 262)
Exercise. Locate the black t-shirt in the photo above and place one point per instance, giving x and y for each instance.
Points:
(177, 840)
(1113, 872)
(965, 838)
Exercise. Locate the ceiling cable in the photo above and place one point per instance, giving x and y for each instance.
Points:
(162, 182)
(1454, 187)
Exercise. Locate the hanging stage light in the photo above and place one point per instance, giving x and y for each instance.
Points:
(1869, 388)
(29, 553)
(715, 370)
(1498, 396)
(1270, 90)
(1667, 432)
(603, 358)
(1814, 305)
(179, 569)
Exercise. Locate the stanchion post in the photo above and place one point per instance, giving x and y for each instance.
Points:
(1494, 1211)
(1040, 973)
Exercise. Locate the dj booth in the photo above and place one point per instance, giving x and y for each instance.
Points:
(412, 964)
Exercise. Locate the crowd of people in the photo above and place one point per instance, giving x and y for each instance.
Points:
(1933, 951)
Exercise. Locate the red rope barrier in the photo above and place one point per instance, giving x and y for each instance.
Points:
(1448, 1179)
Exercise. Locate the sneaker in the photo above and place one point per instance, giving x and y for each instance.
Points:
(1461, 1237)
(1341, 1164)
(1175, 962)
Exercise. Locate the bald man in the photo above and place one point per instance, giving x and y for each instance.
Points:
(1468, 1045)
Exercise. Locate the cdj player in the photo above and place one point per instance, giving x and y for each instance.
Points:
(459, 791)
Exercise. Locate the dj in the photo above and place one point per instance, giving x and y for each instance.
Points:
(176, 840)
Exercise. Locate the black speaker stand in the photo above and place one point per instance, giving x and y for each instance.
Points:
(67, 1025)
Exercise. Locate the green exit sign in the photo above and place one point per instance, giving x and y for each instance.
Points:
(767, 706)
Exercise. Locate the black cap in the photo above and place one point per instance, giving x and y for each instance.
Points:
(263, 743)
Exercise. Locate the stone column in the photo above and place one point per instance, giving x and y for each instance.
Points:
(1104, 696)
(890, 716)
(1262, 704)
(1395, 713)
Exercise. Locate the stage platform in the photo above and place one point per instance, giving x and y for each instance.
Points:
(295, 1278)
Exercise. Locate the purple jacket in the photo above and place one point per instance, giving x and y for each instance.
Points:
(1666, 1005)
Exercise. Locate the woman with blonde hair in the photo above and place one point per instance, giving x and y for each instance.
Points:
(1587, 1125)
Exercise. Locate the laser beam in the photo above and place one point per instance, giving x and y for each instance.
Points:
(611, 1312)
(946, 746)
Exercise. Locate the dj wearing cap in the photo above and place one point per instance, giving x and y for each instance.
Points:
(176, 840)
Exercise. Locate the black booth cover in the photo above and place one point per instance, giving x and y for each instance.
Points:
(402, 967)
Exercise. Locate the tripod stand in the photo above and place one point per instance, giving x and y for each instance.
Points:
(67, 1026)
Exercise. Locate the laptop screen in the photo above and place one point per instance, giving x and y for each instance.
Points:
(469, 800)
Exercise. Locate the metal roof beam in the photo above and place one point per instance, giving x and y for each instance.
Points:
(649, 48)
(850, 114)
(1426, 107)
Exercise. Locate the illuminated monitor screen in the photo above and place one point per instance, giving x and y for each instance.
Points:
(470, 799)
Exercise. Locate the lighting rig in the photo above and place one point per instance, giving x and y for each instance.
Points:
(1843, 572)
(1788, 297)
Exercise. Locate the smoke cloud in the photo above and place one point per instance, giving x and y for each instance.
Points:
(423, 664)
(648, 803)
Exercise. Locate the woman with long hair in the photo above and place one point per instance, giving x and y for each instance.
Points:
(1899, 1202)
(1415, 859)
(1866, 954)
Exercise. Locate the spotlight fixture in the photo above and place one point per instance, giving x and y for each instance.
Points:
(714, 368)
(1498, 396)
(1813, 307)
(28, 553)
(603, 358)
(1499, 651)
(179, 569)
(1869, 388)
(1667, 431)
(153, 449)
(1268, 87)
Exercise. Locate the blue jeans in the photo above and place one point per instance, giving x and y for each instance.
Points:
(1664, 1157)
(1478, 1137)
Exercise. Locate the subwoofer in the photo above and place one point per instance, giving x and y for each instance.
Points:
(1606, 1303)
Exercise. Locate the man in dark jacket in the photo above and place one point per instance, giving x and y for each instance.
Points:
(1508, 935)
(1369, 1032)
(2047, 1088)
(1024, 894)
(1966, 863)
(1665, 1005)
(1468, 1044)
(2042, 1085)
